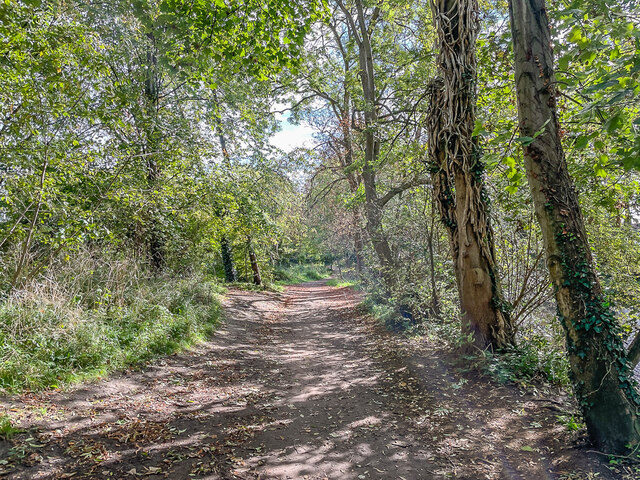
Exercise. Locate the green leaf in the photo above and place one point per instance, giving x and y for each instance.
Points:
(581, 142)
(525, 141)
(563, 62)
(613, 123)
(542, 129)
(575, 35)
(478, 129)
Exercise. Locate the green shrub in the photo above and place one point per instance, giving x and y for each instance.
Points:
(535, 358)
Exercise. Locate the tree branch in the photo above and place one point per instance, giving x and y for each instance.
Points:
(416, 182)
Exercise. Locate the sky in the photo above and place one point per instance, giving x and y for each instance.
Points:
(292, 136)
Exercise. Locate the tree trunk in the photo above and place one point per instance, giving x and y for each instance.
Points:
(257, 279)
(372, 208)
(358, 244)
(155, 236)
(343, 115)
(435, 300)
(227, 260)
(458, 176)
(599, 368)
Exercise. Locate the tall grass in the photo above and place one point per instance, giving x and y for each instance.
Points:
(90, 318)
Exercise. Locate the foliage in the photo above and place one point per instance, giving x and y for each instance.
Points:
(7, 430)
(135, 142)
(535, 359)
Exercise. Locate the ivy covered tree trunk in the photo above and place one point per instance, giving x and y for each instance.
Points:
(253, 259)
(599, 368)
(458, 176)
(227, 260)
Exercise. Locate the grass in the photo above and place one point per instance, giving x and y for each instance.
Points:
(335, 282)
(299, 274)
(49, 339)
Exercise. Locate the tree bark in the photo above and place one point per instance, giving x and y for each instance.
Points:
(458, 176)
(599, 367)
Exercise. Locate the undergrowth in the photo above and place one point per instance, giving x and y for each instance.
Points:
(52, 334)
(535, 359)
(7, 430)
(297, 273)
(538, 358)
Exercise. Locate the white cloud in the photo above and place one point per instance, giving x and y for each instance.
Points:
(292, 136)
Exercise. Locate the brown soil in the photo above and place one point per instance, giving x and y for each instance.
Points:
(297, 385)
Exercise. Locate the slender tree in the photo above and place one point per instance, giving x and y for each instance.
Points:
(458, 175)
(363, 24)
(361, 33)
(152, 81)
(599, 366)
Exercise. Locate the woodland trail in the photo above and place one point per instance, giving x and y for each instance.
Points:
(298, 385)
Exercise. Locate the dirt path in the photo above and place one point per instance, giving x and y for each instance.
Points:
(296, 386)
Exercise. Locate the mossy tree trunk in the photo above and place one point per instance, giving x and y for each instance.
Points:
(599, 367)
(458, 176)
(227, 260)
